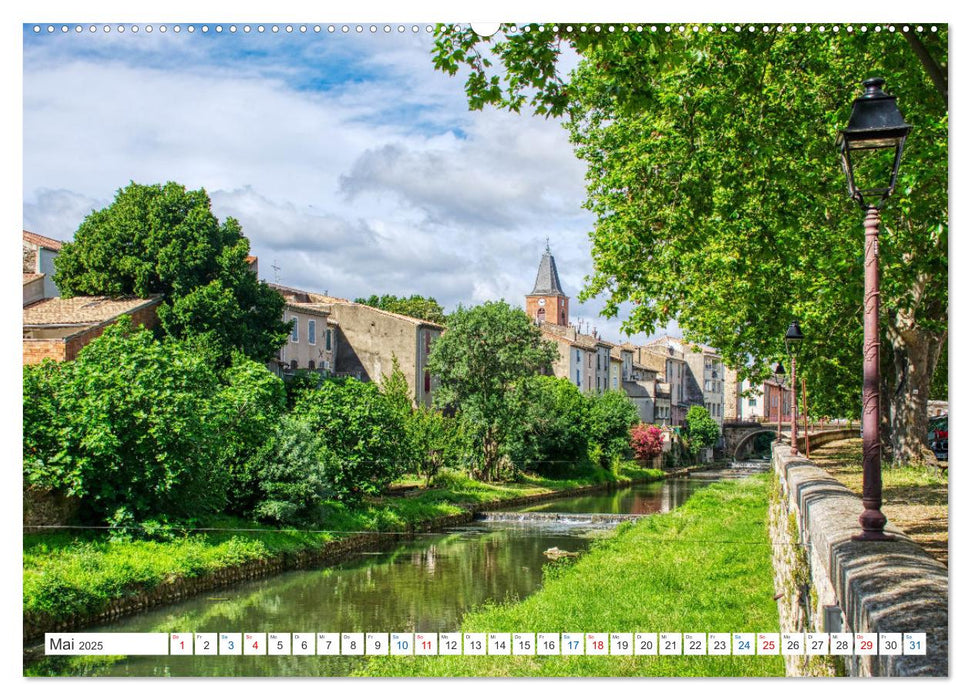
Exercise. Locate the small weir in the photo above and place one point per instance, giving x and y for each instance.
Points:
(603, 519)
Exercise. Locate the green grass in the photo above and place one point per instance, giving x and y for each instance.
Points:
(705, 567)
(81, 573)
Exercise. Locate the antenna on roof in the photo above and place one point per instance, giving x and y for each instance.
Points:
(548, 245)
(276, 272)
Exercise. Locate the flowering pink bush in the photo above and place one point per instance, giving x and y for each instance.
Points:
(647, 441)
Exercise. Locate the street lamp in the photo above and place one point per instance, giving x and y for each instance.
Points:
(780, 376)
(870, 147)
(794, 339)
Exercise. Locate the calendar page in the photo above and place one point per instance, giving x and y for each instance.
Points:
(443, 349)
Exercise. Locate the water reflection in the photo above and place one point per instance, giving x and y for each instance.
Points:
(426, 584)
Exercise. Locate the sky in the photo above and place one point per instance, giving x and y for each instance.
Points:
(353, 166)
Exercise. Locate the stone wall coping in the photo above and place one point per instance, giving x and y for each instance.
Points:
(882, 586)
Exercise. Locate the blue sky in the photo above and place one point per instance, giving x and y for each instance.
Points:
(353, 166)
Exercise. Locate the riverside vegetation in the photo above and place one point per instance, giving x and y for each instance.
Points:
(179, 466)
(704, 567)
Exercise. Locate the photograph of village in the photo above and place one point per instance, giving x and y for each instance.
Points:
(527, 330)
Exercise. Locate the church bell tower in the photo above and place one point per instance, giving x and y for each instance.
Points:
(547, 302)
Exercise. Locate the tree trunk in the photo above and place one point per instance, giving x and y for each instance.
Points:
(915, 355)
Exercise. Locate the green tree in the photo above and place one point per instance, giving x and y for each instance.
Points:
(701, 428)
(162, 239)
(552, 436)
(253, 401)
(610, 417)
(416, 306)
(132, 428)
(485, 352)
(364, 431)
(713, 175)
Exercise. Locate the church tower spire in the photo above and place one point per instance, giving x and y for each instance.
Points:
(547, 302)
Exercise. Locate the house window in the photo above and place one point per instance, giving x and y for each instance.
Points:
(578, 358)
(311, 365)
(752, 402)
(328, 339)
(295, 330)
(578, 377)
(312, 332)
(428, 381)
(428, 342)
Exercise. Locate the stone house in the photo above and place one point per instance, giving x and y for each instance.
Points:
(667, 359)
(38, 265)
(312, 343)
(365, 341)
(58, 328)
(703, 374)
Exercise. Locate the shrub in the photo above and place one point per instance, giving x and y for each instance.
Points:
(647, 441)
(295, 471)
(131, 428)
(364, 431)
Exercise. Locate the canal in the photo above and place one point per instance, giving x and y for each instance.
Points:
(425, 584)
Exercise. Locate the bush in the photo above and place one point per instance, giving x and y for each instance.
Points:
(647, 441)
(132, 428)
(609, 420)
(365, 432)
(551, 436)
(295, 471)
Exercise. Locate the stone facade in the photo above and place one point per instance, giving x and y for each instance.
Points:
(39, 254)
(312, 344)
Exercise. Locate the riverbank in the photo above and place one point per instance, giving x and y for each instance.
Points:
(706, 567)
(73, 579)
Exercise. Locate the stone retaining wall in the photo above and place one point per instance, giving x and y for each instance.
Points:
(878, 586)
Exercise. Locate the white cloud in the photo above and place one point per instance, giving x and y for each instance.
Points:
(351, 164)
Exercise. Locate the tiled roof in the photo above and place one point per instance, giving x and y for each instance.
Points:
(301, 296)
(311, 307)
(31, 276)
(59, 311)
(42, 241)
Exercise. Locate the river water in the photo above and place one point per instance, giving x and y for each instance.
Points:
(425, 584)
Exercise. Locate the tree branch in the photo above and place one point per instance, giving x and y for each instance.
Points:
(931, 66)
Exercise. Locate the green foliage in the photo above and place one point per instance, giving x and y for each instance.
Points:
(363, 429)
(702, 429)
(485, 352)
(295, 473)
(711, 156)
(439, 441)
(162, 239)
(610, 417)
(131, 427)
(416, 306)
(253, 401)
(551, 436)
(706, 565)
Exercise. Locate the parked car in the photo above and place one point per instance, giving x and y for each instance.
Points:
(937, 436)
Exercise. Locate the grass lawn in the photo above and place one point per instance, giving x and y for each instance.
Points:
(914, 497)
(705, 567)
(69, 573)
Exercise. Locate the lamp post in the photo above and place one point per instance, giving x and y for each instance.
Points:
(794, 339)
(870, 145)
(780, 376)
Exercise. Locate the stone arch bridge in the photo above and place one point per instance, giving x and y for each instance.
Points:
(740, 436)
